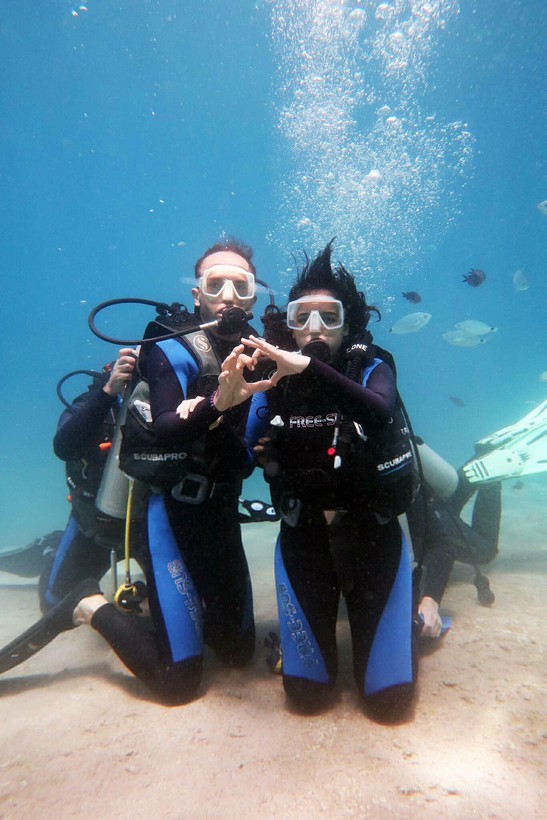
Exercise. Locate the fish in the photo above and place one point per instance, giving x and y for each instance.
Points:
(543, 376)
(520, 281)
(475, 277)
(518, 486)
(542, 207)
(461, 339)
(411, 323)
(457, 401)
(475, 328)
(412, 296)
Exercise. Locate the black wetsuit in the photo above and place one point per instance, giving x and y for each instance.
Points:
(361, 554)
(196, 570)
(440, 537)
(84, 548)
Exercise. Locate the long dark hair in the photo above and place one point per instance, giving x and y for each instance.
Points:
(318, 274)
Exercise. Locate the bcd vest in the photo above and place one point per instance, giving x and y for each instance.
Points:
(140, 456)
(330, 461)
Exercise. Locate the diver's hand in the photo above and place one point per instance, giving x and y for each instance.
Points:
(429, 610)
(187, 407)
(289, 362)
(232, 387)
(122, 372)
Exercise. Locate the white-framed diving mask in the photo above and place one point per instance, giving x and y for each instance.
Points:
(228, 282)
(315, 313)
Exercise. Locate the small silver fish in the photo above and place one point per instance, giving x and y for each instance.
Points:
(411, 323)
(520, 281)
(542, 207)
(474, 327)
(461, 339)
(457, 401)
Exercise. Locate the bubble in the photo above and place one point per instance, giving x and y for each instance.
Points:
(357, 154)
(373, 176)
(359, 15)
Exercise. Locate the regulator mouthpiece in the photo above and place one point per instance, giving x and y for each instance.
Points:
(317, 350)
(233, 320)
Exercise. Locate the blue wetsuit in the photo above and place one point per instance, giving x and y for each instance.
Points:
(196, 570)
(360, 554)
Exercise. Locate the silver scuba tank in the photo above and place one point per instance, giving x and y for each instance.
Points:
(114, 487)
(439, 474)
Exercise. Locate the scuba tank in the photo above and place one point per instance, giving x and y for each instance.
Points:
(114, 487)
(436, 472)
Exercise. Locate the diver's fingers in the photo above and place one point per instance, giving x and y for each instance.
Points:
(247, 361)
(232, 357)
(260, 386)
(276, 377)
(429, 610)
(188, 406)
(432, 630)
(128, 352)
(125, 363)
(259, 344)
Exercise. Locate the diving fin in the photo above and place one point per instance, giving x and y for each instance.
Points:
(518, 450)
(29, 561)
(57, 620)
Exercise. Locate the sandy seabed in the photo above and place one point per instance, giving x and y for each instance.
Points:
(80, 737)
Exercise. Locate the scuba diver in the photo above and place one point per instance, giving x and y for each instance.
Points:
(79, 556)
(328, 427)
(198, 582)
(62, 558)
(83, 441)
(439, 535)
(199, 588)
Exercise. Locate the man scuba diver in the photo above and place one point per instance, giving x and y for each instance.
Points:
(196, 571)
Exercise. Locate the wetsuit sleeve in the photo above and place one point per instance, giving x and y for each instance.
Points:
(438, 565)
(170, 381)
(257, 423)
(80, 429)
(374, 402)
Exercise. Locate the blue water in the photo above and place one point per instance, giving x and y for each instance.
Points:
(133, 134)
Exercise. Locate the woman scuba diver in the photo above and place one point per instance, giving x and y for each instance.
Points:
(328, 429)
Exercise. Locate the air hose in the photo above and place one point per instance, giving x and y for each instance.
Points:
(129, 596)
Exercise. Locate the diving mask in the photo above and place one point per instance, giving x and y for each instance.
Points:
(315, 313)
(224, 282)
